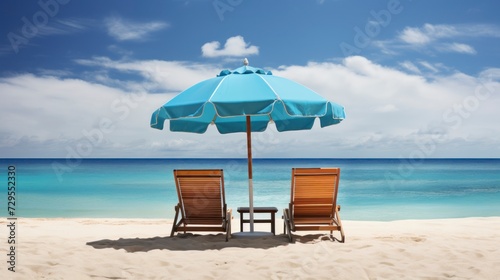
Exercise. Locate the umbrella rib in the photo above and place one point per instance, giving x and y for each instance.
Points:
(212, 95)
(277, 96)
(209, 100)
(327, 102)
(286, 111)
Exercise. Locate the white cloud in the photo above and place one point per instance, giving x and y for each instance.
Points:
(430, 32)
(457, 47)
(63, 27)
(410, 66)
(438, 38)
(159, 74)
(491, 74)
(414, 36)
(52, 117)
(53, 27)
(54, 73)
(123, 30)
(441, 30)
(395, 105)
(234, 46)
(389, 113)
(429, 66)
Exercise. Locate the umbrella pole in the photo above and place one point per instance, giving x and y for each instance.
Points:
(250, 175)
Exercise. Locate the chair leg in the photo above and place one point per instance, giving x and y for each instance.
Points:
(287, 224)
(174, 224)
(228, 229)
(337, 214)
(342, 235)
(229, 216)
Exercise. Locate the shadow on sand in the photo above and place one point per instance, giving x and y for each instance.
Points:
(197, 242)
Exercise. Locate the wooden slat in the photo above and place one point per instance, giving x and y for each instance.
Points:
(261, 221)
(201, 221)
(200, 228)
(312, 220)
(257, 209)
(310, 228)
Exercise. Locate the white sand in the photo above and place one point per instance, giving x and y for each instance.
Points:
(141, 249)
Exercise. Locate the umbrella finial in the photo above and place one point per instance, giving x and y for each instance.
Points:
(245, 61)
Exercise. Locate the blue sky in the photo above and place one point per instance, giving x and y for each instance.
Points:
(418, 79)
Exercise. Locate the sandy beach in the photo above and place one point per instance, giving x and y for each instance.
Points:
(142, 249)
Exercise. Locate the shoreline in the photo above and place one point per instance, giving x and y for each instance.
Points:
(117, 248)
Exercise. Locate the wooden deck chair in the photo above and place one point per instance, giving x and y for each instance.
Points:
(202, 204)
(313, 202)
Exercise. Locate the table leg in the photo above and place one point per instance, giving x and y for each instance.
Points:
(272, 224)
(241, 221)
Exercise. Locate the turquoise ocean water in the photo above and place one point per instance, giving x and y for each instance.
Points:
(370, 189)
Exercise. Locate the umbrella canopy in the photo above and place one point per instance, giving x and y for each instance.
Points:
(247, 99)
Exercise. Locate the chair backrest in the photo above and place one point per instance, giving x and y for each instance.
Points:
(314, 192)
(201, 195)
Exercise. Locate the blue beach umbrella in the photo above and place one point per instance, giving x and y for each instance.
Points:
(247, 99)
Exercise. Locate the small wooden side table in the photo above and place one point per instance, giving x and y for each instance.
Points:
(270, 210)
